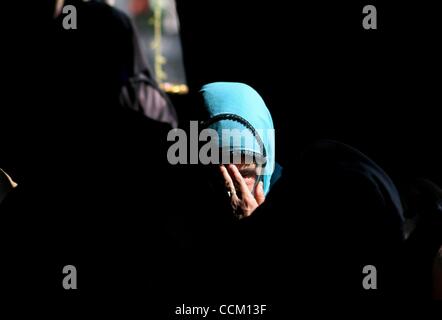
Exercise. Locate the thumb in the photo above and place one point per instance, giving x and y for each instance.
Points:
(259, 193)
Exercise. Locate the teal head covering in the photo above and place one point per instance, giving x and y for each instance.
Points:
(240, 109)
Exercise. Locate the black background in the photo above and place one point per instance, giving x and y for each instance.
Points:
(324, 76)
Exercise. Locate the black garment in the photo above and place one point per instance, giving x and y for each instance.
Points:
(105, 51)
(424, 211)
(93, 176)
(333, 212)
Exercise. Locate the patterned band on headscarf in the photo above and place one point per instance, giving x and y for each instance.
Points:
(235, 117)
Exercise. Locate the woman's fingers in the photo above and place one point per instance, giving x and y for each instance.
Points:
(239, 180)
(13, 184)
(243, 203)
(229, 182)
(259, 193)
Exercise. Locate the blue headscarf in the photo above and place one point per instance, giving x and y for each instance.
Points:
(238, 106)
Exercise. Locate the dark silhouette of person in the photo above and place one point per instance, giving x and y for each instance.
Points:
(91, 173)
(333, 212)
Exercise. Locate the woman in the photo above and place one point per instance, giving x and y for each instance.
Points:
(246, 140)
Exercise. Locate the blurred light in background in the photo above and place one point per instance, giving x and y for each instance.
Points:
(159, 35)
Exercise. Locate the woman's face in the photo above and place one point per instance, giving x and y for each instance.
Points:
(250, 173)
(242, 188)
